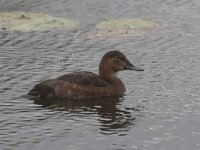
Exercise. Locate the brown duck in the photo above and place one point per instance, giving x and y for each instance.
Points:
(83, 84)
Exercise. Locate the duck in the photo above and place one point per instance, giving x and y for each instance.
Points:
(84, 84)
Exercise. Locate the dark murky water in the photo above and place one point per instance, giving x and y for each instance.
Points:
(161, 109)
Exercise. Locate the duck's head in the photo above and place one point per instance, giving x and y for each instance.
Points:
(115, 61)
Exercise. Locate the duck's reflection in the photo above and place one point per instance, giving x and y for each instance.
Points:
(111, 115)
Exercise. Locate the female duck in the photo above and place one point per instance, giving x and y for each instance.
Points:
(83, 84)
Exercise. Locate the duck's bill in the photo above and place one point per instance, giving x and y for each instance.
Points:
(130, 66)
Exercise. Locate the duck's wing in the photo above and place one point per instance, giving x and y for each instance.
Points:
(84, 78)
(46, 89)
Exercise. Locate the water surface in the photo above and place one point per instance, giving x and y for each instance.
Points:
(161, 108)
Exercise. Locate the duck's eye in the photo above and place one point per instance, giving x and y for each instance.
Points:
(118, 57)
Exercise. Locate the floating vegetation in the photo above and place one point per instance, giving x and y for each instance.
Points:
(27, 21)
(123, 28)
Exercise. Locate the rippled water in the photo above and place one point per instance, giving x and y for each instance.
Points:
(161, 109)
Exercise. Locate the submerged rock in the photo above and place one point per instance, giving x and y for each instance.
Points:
(123, 28)
(27, 21)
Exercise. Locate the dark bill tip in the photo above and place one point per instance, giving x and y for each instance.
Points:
(130, 66)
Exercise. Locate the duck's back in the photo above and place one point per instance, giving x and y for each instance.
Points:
(66, 84)
(84, 78)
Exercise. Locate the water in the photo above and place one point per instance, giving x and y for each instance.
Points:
(161, 108)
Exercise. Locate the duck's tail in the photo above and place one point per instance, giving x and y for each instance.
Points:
(41, 91)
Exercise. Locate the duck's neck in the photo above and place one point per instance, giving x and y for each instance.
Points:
(115, 83)
(110, 77)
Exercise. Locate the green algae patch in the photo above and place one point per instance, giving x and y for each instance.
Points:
(127, 24)
(27, 21)
(123, 28)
